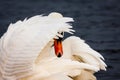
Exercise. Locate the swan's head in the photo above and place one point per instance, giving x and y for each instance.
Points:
(60, 34)
(57, 39)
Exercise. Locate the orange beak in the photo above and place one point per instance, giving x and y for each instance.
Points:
(58, 47)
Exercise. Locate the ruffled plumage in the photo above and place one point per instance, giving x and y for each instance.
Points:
(26, 51)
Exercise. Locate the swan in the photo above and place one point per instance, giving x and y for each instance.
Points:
(34, 49)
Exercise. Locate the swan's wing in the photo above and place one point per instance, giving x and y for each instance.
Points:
(58, 77)
(24, 40)
(83, 52)
(85, 75)
(51, 66)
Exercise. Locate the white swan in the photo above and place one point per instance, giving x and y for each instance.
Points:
(27, 51)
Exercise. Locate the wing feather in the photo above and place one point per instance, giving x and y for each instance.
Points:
(51, 66)
(24, 40)
(83, 51)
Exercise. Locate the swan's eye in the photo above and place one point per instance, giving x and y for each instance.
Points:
(61, 33)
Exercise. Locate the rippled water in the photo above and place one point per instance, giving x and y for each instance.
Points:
(96, 21)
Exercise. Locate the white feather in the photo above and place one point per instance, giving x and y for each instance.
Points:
(58, 77)
(24, 40)
(76, 46)
(26, 51)
(51, 66)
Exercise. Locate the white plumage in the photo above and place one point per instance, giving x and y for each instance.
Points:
(26, 51)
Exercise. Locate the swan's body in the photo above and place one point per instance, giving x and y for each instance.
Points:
(26, 52)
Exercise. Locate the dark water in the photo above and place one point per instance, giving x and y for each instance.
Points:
(96, 21)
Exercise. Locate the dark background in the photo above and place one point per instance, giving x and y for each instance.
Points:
(96, 21)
